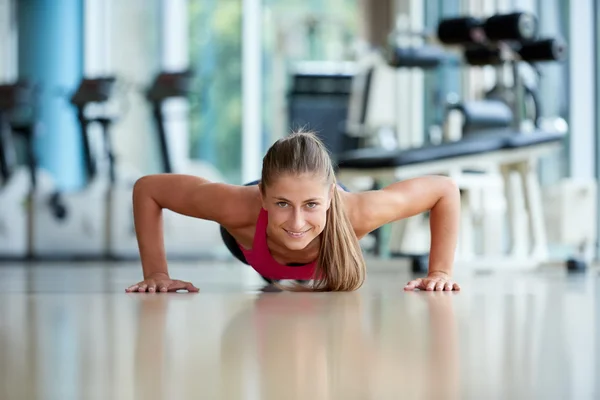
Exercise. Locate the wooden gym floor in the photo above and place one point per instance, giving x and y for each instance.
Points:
(69, 331)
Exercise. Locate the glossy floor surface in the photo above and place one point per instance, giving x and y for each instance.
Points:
(69, 331)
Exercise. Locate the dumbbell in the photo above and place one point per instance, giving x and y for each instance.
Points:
(518, 26)
(536, 51)
(543, 50)
(478, 55)
(460, 30)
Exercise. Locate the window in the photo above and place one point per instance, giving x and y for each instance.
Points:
(216, 106)
(297, 31)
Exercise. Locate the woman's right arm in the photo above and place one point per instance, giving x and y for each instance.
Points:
(187, 195)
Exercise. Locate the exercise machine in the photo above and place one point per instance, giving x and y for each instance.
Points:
(184, 237)
(508, 43)
(496, 146)
(92, 101)
(17, 125)
(73, 225)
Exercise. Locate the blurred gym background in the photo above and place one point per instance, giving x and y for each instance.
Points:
(499, 94)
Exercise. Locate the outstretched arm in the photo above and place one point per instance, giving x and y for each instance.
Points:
(437, 194)
(187, 195)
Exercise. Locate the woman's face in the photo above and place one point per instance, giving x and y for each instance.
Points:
(297, 206)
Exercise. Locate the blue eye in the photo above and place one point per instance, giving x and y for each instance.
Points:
(312, 205)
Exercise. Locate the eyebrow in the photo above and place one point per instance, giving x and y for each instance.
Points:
(305, 201)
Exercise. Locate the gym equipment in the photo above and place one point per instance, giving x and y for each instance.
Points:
(481, 55)
(318, 100)
(476, 117)
(510, 152)
(504, 41)
(17, 112)
(75, 224)
(423, 57)
(490, 144)
(543, 50)
(41, 221)
(167, 85)
(184, 237)
(118, 229)
(569, 206)
(517, 26)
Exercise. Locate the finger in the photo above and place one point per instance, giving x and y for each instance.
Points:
(142, 287)
(410, 285)
(430, 285)
(456, 286)
(152, 287)
(416, 282)
(413, 284)
(163, 288)
(440, 285)
(132, 288)
(175, 286)
(191, 288)
(448, 286)
(181, 285)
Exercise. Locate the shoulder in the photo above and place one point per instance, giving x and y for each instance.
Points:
(243, 210)
(370, 209)
(355, 208)
(243, 206)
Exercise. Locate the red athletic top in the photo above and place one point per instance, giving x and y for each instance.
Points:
(260, 258)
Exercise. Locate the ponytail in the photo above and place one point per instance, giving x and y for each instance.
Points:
(341, 265)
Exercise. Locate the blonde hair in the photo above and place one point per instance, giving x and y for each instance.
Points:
(340, 265)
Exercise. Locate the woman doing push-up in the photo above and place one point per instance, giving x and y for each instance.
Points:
(297, 222)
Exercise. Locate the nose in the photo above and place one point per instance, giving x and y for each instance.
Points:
(297, 222)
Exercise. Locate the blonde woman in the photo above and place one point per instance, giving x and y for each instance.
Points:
(296, 222)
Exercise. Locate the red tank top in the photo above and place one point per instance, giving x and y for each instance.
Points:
(260, 258)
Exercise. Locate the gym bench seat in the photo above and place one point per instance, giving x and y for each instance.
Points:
(469, 162)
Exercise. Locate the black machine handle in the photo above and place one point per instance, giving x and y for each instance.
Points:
(170, 85)
(167, 85)
(88, 157)
(27, 131)
(7, 153)
(162, 138)
(17, 103)
(96, 90)
(105, 123)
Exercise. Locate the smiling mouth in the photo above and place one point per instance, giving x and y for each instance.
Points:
(296, 234)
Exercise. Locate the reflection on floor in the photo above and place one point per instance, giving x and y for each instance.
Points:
(68, 331)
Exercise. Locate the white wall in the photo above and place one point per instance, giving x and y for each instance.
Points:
(582, 86)
(174, 56)
(97, 38)
(251, 89)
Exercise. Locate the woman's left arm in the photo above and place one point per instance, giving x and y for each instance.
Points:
(437, 194)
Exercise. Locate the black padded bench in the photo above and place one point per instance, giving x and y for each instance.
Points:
(506, 152)
(373, 158)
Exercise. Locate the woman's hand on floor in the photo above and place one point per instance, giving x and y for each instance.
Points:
(161, 283)
(433, 281)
